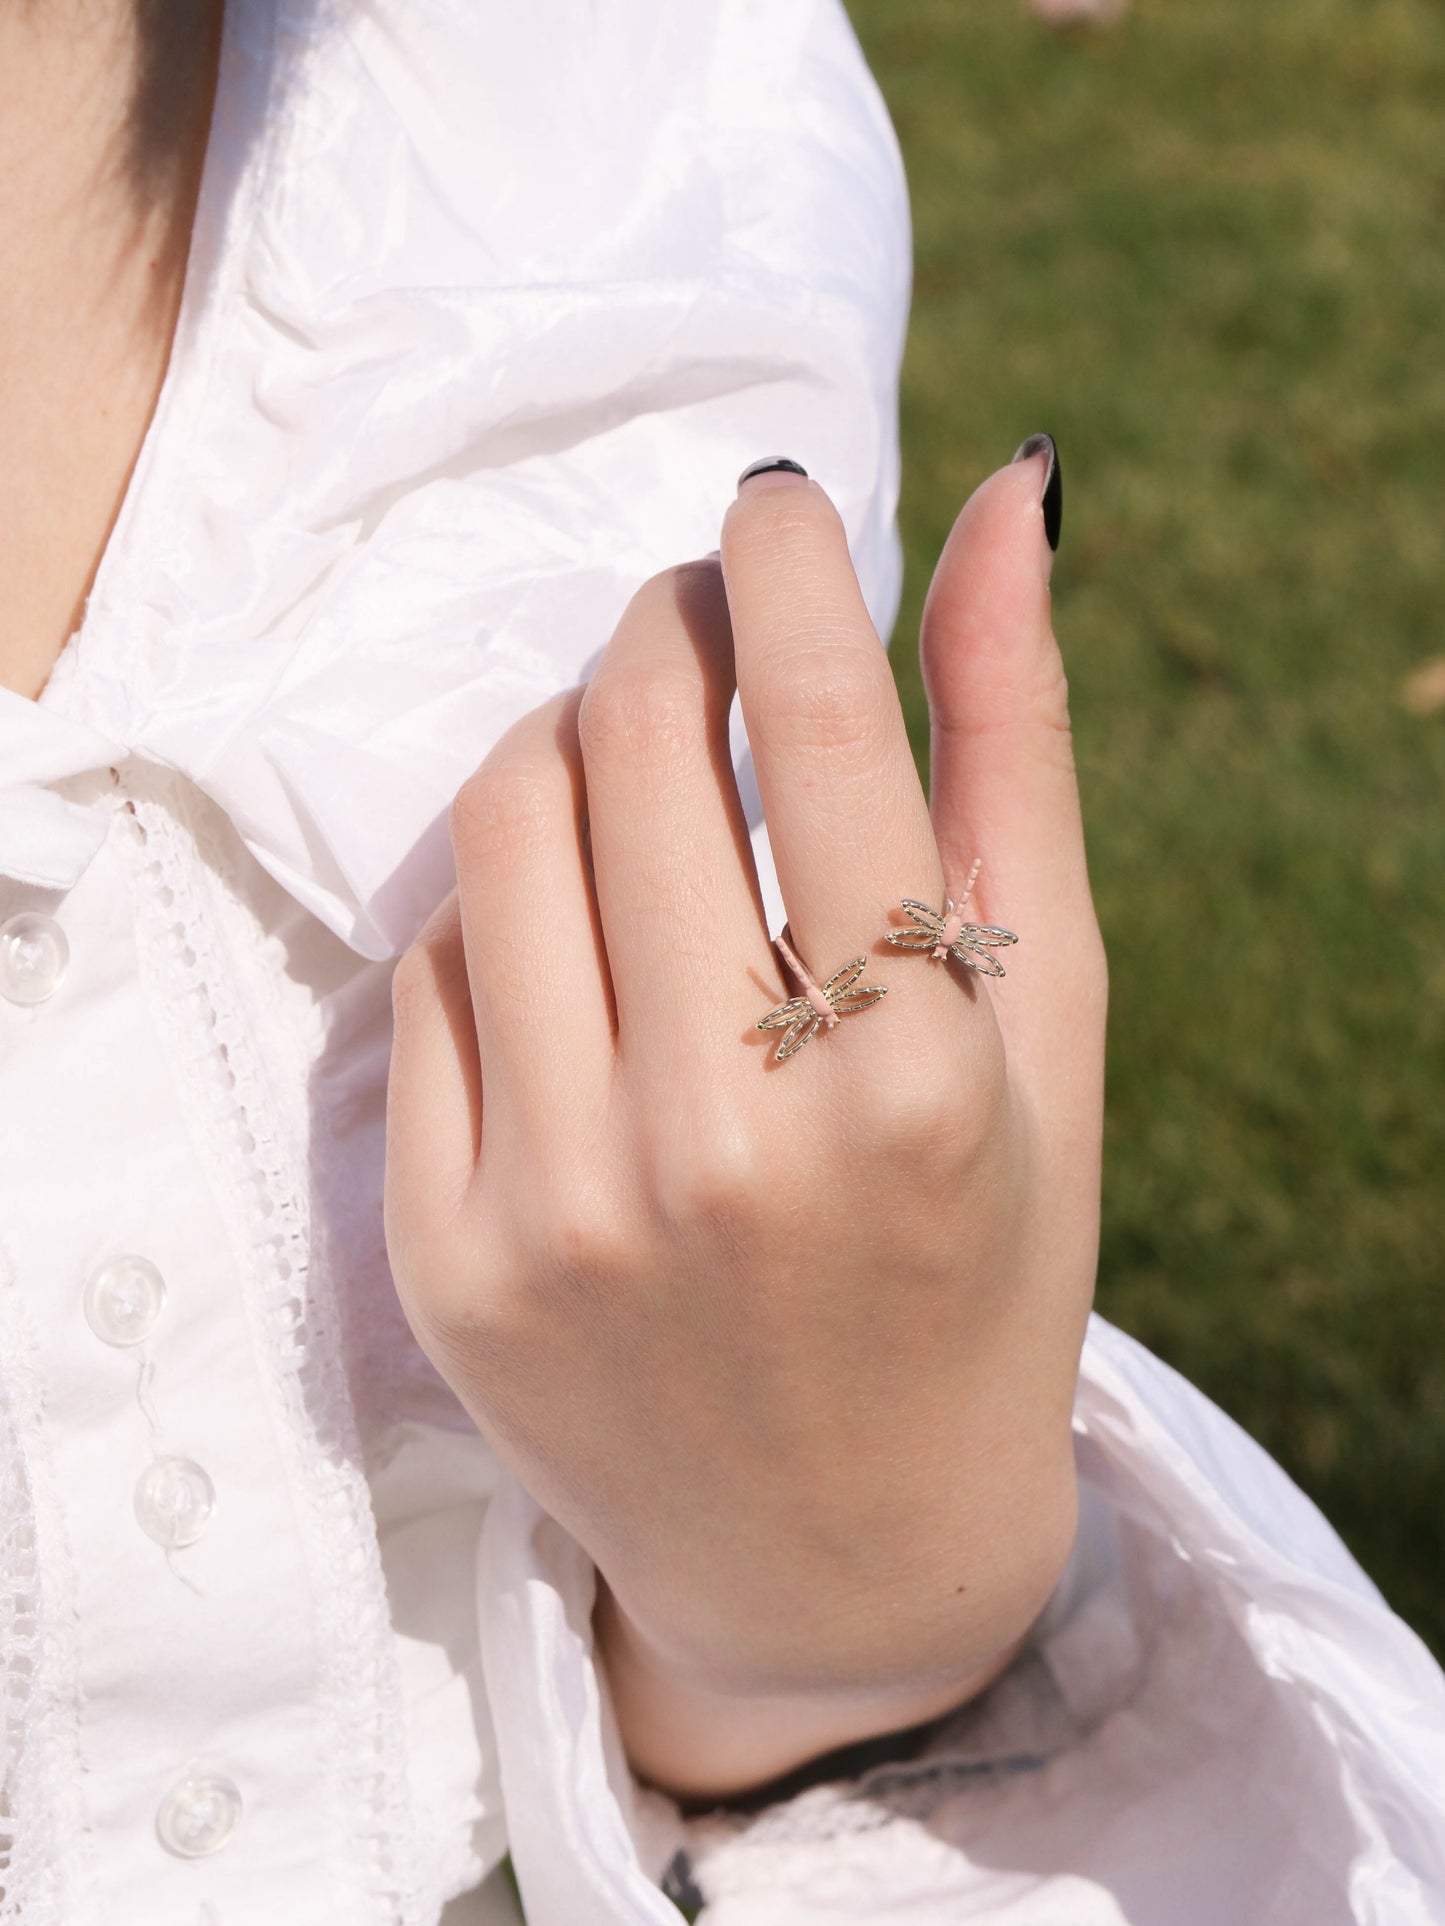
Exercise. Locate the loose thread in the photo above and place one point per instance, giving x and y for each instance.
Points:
(182, 1577)
(144, 1398)
(144, 1378)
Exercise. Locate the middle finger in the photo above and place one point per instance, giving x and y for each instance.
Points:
(846, 813)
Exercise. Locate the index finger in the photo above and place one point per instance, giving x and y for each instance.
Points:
(847, 818)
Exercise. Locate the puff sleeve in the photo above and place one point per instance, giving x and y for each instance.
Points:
(1217, 1717)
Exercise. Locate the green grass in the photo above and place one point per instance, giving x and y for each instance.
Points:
(1208, 251)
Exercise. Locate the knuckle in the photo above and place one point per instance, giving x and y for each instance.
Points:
(915, 1116)
(1091, 972)
(636, 715)
(483, 1336)
(1048, 703)
(937, 1117)
(580, 1245)
(414, 983)
(582, 1283)
(507, 804)
(666, 595)
(715, 1183)
(1022, 698)
(460, 1292)
(828, 696)
(446, 1304)
(590, 1256)
(447, 1299)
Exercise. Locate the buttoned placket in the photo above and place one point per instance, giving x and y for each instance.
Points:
(126, 1367)
(123, 1301)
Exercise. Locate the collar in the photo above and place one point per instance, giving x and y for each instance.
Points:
(482, 319)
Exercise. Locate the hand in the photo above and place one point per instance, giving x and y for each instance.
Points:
(789, 1348)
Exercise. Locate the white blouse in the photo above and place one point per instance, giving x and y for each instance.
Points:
(486, 309)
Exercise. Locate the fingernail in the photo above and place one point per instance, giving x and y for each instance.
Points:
(772, 465)
(1053, 496)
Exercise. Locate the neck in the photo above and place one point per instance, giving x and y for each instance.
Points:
(104, 111)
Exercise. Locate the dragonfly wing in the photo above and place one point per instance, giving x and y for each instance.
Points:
(843, 979)
(913, 939)
(931, 919)
(786, 1014)
(979, 960)
(857, 1000)
(804, 1026)
(975, 940)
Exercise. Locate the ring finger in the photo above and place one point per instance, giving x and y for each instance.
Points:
(677, 891)
(847, 817)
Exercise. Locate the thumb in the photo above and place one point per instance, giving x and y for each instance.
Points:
(1003, 785)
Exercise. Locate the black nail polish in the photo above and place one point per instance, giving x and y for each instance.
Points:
(1053, 501)
(768, 463)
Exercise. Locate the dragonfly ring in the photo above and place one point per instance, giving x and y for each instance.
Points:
(945, 933)
(821, 1005)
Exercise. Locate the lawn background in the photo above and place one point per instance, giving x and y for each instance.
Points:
(1207, 250)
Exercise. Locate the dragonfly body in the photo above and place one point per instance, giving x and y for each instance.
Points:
(801, 1017)
(952, 929)
(944, 933)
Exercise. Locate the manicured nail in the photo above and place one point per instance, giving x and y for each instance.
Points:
(772, 465)
(1053, 497)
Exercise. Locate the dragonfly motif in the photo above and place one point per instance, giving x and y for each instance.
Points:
(946, 934)
(803, 1016)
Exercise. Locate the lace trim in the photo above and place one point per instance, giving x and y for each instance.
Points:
(44, 1852)
(198, 945)
(892, 1806)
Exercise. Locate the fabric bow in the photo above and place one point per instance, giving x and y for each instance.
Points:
(45, 838)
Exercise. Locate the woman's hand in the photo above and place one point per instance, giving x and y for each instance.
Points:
(789, 1348)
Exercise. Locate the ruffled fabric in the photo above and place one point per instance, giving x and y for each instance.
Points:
(477, 335)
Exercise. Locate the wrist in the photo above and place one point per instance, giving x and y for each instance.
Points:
(716, 1696)
(704, 1738)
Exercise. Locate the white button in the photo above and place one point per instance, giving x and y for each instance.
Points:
(175, 1501)
(123, 1300)
(198, 1815)
(33, 956)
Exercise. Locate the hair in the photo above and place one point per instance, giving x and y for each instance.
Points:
(179, 44)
